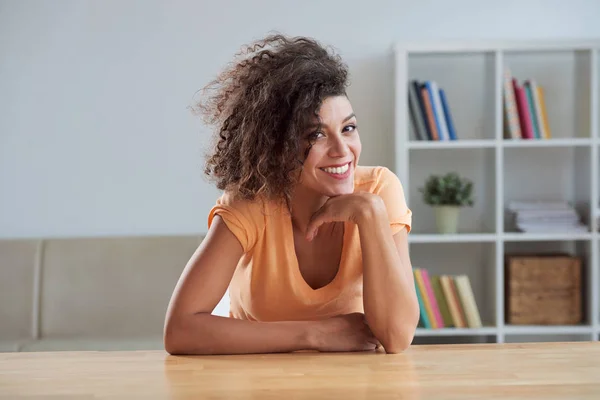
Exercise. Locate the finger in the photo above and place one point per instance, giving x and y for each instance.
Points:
(318, 219)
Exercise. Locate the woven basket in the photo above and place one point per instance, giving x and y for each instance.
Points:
(543, 289)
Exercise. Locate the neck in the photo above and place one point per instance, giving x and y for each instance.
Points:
(304, 204)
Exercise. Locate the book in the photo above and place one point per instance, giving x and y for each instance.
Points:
(467, 299)
(511, 113)
(523, 106)
(453, 301)
(438, 112)
(429, 114)
(441, 300)
(532, 111)
(432, 299)
(424, 297)
(544, 114)
(417, 112)
(448, 115)
(423, 317)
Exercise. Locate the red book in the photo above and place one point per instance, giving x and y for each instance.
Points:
(523, 109)
(432, 300)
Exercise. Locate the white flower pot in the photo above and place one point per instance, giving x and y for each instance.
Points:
(446, 218)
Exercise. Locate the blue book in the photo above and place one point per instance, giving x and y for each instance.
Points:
(436, 107)
(532, 113)
(451, 130)
(424, 319)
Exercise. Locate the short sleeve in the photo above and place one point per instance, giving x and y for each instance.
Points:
(390, 189)
(243, 218)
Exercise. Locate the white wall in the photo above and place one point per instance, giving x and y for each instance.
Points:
(95, 136)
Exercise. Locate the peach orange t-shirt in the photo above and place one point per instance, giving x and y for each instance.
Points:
(267, 284)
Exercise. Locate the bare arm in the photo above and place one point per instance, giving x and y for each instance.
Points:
(389, 296)
(191, 329)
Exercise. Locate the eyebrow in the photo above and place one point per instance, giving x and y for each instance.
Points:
(314, 125)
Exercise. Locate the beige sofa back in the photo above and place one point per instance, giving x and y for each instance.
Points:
(88, 288)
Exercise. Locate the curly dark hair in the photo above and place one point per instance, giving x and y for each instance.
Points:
(262, 105)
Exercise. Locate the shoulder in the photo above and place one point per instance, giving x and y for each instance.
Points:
(374, 179)
(245, 218)
(384, 183)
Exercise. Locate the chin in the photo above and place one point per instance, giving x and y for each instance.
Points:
(339, 191)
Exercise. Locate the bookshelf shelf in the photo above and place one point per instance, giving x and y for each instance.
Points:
(545, 237)
(453, 144)
(561, 142)
(563, 167)
(452, 238)
(485, 331)
(548, 330)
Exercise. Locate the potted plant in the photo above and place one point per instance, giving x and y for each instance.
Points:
(447, 194)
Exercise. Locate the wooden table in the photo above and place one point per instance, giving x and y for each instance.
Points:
(475, 371)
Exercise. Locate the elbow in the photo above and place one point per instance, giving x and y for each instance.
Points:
(174, 340)
(170, 341)
(401, 333)
(399, 340)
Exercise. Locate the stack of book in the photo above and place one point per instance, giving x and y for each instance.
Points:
(546, 216)
(525, 115)
(429, 111)
(445, 301)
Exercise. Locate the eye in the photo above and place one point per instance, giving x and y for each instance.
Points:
(349, 128)
(315, 135)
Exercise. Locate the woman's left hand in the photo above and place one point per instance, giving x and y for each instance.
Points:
(355, 207)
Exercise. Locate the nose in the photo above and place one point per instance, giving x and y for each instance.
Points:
(338, 147)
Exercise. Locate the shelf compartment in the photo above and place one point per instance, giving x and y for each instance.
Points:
(468, 81)
(478, 165)
(476, 260)
(565, 77)
(548, 174)
(581, 248)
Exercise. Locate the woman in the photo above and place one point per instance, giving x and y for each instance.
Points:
(312, 246)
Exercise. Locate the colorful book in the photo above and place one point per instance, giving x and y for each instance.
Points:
(423, 317)
(429, 114)
(441, 300)
(532, 112)
(417, 89)
(448, 115)
(542, 114)
(511, 113)
(421, 287)
(453, 301)
(468, 301)
(416, 116)
(432, 299)
(438, 112)
(523, 106)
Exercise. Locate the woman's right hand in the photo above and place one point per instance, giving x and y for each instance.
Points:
(348, 332)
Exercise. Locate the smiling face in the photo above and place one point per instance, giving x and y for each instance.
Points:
(330, 164)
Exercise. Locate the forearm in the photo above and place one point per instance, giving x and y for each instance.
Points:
(389, 297)
(210, 334)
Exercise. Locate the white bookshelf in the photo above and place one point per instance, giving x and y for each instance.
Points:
(564, 167)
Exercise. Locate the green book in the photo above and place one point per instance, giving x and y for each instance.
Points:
(532, 113)
(441, 299)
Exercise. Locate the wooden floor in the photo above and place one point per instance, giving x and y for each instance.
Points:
(480, 371)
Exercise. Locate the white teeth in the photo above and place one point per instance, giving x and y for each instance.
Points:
(337, 170)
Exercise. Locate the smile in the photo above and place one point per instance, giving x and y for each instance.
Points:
(338, 172)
